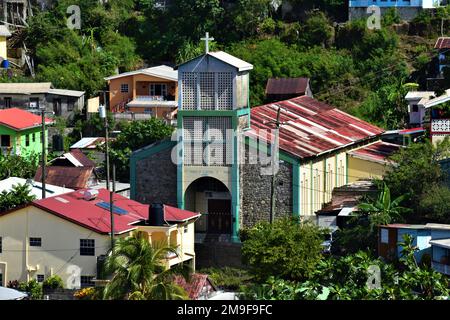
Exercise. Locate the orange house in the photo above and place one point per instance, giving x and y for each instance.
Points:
(152, 91)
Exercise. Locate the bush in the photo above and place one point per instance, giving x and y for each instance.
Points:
(53, 282)
(286, 249)
(33, 288)
(227, 278)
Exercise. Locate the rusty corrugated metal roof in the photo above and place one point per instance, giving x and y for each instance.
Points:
(310, 127)
(376, 152)
(442, 43)
(67, 177)
(296, 86)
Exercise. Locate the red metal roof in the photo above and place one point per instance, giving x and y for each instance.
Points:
(287, 86)
(67, 177)
(18, 119)
(82, 158)
(412, 130)
(309, 127)
(442, 43)
(376, 152)
(73, 207)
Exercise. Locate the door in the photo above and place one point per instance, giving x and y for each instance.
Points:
(219, 216)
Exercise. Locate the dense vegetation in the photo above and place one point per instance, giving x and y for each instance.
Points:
(359, 70)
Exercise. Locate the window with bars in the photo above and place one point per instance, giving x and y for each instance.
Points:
(124, 88)
(87, 247)
(225, 91)
(189, 96)
(206, 142)
(40, 278)
(214, 90)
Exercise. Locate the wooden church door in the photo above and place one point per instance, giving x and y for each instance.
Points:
(219, 216)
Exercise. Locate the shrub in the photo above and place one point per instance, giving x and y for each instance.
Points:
(53, 282)
(227, 278)
(33, 288)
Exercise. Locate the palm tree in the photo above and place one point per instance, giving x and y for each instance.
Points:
(139, 272)
(384, 210)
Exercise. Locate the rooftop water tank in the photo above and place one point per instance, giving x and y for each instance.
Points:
(90, 194)
(156, 214)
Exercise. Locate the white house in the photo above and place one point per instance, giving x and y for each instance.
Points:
(67, 234)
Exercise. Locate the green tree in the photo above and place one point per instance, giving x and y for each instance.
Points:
(139, 271)
(18, 196)
(286, 249)
(18, 166)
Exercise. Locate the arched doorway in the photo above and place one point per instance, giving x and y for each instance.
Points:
(212, 199)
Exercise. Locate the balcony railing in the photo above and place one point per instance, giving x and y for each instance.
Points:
(155, 98)
(440, 126)
(441, 268)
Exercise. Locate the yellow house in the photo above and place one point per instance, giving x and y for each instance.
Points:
(152, 91)
(4, 34)
(371, 161)
(66, 235)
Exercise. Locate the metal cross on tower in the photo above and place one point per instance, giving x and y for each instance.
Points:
(207, 39)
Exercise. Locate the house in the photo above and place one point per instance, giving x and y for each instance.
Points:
(198, 286)
(407, 9)
(430, 239)
(15, 12)
(4, 35)
(370, 161)
(32, 96)
(91, 146)
(344, 204)
(230, 184)
(71, 170)
(443, 46)
(34, 187)
(66, 235)
(20, 132)
(278, 89)
(428, 110)
(152, 92)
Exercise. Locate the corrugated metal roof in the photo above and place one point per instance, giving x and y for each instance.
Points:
(18, 119)
(64, 92)
(310, 127)
(4, 31)
(68, 177)
(296, 86)
(376, 152)
(25, 88)
(162, 71)
(442, 43)
(443, 243)
(88, 143)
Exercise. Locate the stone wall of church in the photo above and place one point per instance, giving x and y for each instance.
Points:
(255, 192)
(156, 179)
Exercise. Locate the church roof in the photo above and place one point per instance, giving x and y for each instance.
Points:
(309, 127)
(239, 64)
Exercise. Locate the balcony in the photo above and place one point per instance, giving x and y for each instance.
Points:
(153, 101)
(441, 268)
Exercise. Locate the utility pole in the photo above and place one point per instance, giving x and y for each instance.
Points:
(274, 167)
(44, 158)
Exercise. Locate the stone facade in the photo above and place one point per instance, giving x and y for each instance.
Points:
(255, 192)
(156, 179)
(405, 13)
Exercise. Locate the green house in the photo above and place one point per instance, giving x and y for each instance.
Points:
(20, 132)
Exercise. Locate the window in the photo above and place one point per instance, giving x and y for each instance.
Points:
(87, 247)
(35, 242)
(86, 281)
(186, 229)
(33, 137)
(158, 89)
(1, 244)
(7, 102)
(415, 108)
(34, 103)
(27, 140)
(384, 235)
(1, 279)
(6, 141)
(124, 88)
(40, 278)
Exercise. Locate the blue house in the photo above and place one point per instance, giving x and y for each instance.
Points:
(407, 9)
(431, 239)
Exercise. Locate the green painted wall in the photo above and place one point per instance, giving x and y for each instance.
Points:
(19, 138)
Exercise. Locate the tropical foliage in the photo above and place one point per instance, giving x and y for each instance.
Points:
(139, 272)
(18, 196)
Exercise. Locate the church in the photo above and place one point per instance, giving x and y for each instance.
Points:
(225, 158)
